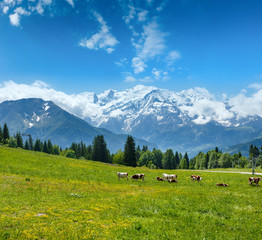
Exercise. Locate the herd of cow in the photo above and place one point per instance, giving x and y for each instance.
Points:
(173, 178)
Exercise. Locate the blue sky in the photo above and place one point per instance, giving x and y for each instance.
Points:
(76, 45)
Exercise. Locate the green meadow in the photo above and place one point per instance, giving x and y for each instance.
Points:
(53, 197)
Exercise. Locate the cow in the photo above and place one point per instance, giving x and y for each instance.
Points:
(172, 180)
(122, 175)
(169, 176)
(254, 180)
(196, 178)
(159, 179)
(222, 184)
(138, 176)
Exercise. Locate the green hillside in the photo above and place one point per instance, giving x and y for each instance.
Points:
(52, 197)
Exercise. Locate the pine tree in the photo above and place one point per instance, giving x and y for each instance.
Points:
(158, 158)
(19, 140)
(1, 135)
(38, 146)
(169, 159)
(26, 145)
(6, 135)
(45, 148)
(130, 152)
(187, 160)
(50, 147)
(177, 160)
(100, 152)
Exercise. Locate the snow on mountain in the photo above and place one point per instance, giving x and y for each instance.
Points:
(127, 107)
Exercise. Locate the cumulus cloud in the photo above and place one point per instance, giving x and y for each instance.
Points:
(243, 105)
(198, 103)
(102, 39)
(81, 105)
(150, 45)
(33, 6)
(15, 17)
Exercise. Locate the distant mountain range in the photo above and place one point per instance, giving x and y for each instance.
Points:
(45, 120)
(190, 120)
(187, 121)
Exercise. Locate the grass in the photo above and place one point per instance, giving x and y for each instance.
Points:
(52, 197)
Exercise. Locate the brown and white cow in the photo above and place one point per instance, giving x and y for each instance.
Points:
(122, 175)
(169, 176)
(254, 180)
(172, 180)
(138, 176)
(196, 178)
(222, 184)
(159, 179)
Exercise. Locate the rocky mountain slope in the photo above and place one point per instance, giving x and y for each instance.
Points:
(45, 120)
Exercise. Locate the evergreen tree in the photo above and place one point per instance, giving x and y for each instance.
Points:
(216, 149)
(169, 159)
(37, 146)
(6, 135)
(130, 152)
(1, 135)
(100, 152)
(45, 148)
(187, 160)
(50, 147)
(177, 160)
(26, 145)
(145, 148)
(19, 140)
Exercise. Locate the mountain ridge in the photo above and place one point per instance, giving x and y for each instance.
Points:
(45, 120)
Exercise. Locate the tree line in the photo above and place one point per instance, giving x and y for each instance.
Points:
(133, 155)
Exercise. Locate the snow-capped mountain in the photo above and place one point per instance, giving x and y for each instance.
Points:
(45, 120)
(186, 120)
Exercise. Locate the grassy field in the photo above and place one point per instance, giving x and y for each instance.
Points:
(52, 197)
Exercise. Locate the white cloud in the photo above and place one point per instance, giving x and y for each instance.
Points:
(244, 106)
(130, 79)
(102, 39)
(14, 19)
(138, 65)
(16, 16)
(150, 45)
(142, 16)
(5, 9)
(255, 86)
(71, 2)
(82, 105)
(172, 57)
(131, 14)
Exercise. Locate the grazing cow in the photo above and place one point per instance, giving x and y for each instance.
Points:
(138, 176)
(254, 180)
(196, 178)
(222, 184)
(159, 179)
(172, 180)
(122, 175)
(169, 176)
